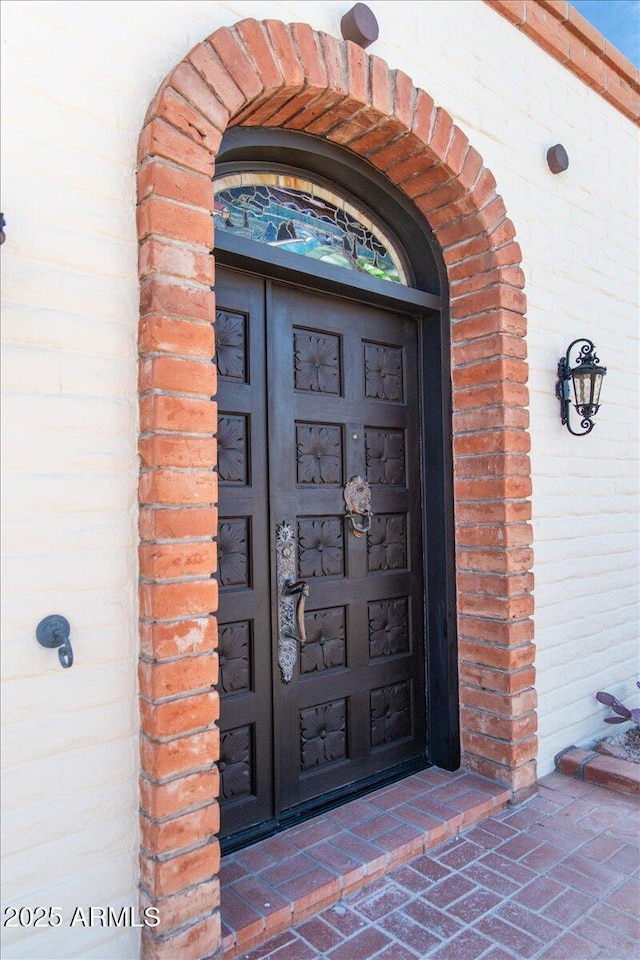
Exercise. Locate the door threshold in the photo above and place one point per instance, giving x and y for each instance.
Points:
(278, 882)
(312, 809)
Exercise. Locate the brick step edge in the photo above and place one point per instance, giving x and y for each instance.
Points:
(622, 776)
(239, 942)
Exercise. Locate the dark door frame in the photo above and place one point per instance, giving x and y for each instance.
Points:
(249, 147)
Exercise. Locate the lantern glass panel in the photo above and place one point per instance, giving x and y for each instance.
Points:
(597, 385)
(582, 386)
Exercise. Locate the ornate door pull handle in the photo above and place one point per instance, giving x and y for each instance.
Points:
(292, 594)
(357, 497)
(299, 589)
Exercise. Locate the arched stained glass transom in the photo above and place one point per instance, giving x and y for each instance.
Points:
(298, 215)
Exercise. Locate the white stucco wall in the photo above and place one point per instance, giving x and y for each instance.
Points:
(77, 79)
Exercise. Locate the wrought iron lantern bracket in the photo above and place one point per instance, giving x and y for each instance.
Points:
(586, 373)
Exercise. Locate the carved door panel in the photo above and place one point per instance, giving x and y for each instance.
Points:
(313, 391)
(343, 390)
(244, 631)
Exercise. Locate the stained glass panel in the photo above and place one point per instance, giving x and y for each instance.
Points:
(294, 214)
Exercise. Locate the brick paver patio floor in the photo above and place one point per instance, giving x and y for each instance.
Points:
(557, 878)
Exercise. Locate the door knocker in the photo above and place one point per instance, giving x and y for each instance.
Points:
(292, 594)
(357, 496)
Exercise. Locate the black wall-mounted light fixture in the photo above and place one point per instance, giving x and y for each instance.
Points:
(586, 376)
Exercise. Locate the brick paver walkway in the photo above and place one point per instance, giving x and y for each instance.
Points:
(557, 878)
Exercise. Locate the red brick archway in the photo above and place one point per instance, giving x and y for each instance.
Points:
(290, 76)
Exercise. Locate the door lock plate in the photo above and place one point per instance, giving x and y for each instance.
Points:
(292, 594)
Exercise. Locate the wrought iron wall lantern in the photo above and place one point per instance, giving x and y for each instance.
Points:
(586, 376)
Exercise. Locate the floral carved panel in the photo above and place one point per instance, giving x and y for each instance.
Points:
(383, 372)
(316, 362)
(234, 651)
(233, 553)
(236, 763)
(232, 449)
(390, 713)
(323, 734)
(387, 542)
(231, 345)
(319, 454)
(320, 548)
(388, 628)
(384, 451)
(325, 646)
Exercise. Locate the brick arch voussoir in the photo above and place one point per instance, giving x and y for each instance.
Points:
(273, 74)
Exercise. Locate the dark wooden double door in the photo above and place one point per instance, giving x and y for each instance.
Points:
(312, 391)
